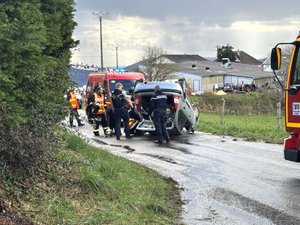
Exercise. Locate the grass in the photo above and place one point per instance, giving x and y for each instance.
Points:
(88, 185)
(91, 186)
(250, 127)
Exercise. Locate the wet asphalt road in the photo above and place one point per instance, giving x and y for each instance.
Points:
(223, 180)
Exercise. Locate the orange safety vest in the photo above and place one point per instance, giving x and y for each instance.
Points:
(73, 101)
(100, 99)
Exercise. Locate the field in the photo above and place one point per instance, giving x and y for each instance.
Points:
(251, 127)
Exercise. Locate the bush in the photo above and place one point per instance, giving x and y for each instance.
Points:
(260, 102)
(35, 42)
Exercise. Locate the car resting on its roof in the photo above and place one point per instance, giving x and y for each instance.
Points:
(181, 115)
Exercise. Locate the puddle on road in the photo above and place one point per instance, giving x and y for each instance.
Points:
(181, 149)
(128, 148)
(184, 140)
(163, 158)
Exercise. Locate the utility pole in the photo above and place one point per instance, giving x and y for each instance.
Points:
(100, 14)
(117, 63)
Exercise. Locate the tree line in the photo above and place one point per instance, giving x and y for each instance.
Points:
(35, 43)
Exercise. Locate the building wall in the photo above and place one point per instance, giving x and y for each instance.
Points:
(209, 82)
(264, 82)
(201, 84)
(193, 81)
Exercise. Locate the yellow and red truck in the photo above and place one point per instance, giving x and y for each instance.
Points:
(292, 96)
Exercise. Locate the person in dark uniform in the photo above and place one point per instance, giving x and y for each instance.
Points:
(158, 105)
(109, 112)
(121, 104)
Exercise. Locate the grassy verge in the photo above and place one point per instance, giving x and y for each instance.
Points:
(250, 127)
(91, 186)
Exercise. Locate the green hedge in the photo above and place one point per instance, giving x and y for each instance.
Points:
(260, 102)
(35, 43)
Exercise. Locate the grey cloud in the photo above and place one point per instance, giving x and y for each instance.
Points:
(221, 12)
(183, 26)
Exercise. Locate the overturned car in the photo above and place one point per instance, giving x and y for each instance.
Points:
(181, 115)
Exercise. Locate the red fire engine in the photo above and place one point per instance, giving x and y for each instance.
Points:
(292, 97)
(108, 80)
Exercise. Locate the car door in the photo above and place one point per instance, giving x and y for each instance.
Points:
(186, 106)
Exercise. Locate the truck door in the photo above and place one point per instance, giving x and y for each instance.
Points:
(292, 95)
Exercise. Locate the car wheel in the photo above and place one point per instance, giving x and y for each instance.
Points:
(180, 123)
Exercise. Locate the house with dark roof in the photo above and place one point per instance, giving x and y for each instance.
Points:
(183, 58)
(203, 75)
(243, 57)
(207, 75)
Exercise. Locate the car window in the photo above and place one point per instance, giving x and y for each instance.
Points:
(89, 87)
(105, 86)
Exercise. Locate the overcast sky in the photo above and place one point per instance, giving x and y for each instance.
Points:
(181, 27)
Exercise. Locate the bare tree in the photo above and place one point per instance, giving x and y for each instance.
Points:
(156, 66)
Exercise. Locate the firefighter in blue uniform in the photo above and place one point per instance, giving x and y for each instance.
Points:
(158, 105)
(121, 104)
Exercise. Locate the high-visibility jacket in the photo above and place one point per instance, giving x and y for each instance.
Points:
(100, 102)
(73, 100)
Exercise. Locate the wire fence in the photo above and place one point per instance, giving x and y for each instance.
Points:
(264, 102)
